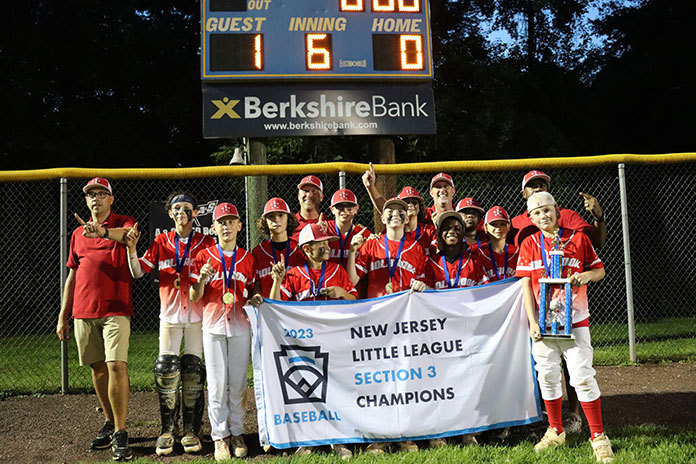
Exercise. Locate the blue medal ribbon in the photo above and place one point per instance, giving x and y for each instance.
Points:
(180, 263)
(228, 276)
(459, 271)
(316, 290)
(495, 263)
(392, 267)
(418, 232)
(543, 250)
(287, 252)
(341, 242)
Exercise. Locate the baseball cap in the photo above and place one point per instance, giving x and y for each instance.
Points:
(311, 180)
(276, 205)
(447, 214)
(539, 199)
(97, 182)
(394, 202)
(469, 202)
(441, 176)
(343, 196)
(531, 175)
(409, 192)
(313, 233)
(224, 209)
(496, 213)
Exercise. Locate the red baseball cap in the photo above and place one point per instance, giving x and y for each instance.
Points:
(311, 180)
(343, 196)
(409, 192)
(97, 182)
(496, 213)
(469, 202)
(531, 175)
(314, 233)
(441, 176)
(224, 209)
(275, 205)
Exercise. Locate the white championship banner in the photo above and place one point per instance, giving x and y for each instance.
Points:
(403, 366)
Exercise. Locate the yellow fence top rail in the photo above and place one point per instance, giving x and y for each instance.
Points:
(350, 168)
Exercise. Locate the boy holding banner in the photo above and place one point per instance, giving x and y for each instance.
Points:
(582, 265)
(222, 278)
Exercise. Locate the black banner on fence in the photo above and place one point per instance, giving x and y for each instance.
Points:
(313, 109)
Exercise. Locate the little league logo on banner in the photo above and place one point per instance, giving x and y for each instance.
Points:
(403, 366)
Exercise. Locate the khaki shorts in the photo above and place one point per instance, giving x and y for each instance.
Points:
(102, 339)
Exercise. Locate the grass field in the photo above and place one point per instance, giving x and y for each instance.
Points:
(31, 364)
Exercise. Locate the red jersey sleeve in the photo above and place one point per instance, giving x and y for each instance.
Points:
(151, 257)
(73, 259)
(525, 258)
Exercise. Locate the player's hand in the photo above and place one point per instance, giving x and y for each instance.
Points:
(63, 330)
(578, 280)
(356, 242)
(334, 292)
(591, 205)
(369, 177)
(278, 270)
(534, 331)
(322, 223)
(256, 300)
(207, 271)
(418, 286)
(131, 237)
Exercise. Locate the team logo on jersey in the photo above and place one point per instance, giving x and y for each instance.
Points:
(303, 373)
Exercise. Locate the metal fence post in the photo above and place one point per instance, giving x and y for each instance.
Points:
(341, 179)
(627, 259)
(63, 277)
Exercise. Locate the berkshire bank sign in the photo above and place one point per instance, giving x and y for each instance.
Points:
(282, 110)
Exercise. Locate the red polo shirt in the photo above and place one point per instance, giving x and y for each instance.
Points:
(103, 283)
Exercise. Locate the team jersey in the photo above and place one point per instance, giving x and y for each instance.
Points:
(481, 239)
(297, 284)
(371, 261)
(220, 318)
(426, 236)
(175, 306)
(522, 226)
(339, 248)
(103, 283)
(470, 274)
(578, 256)
(303, 222)
(263, 257)
(498, 260)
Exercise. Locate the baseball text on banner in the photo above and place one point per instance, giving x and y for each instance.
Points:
(404, 366)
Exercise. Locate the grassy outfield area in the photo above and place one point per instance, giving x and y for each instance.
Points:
(31, 364)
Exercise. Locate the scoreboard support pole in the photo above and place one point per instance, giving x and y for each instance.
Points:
(257, 191)
(381, 151)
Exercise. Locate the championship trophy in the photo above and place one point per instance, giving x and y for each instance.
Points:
(558, 311)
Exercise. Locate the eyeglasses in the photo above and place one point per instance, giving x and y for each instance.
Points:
(100, 195)
(342, 206)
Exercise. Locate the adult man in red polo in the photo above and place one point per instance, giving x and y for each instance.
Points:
(310, 193)
(98, 293)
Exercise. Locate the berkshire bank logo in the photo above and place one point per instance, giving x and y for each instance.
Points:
(303, 373)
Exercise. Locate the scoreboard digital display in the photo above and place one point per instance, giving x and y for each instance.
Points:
(315, 39)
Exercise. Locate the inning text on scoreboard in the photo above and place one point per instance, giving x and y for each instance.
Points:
(315, 39)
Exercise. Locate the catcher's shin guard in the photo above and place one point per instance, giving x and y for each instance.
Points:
(167, 377)
(193, 381)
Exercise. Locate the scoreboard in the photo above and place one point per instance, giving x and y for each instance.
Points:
(369, 40)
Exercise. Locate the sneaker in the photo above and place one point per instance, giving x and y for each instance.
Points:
(408, 446)
(305, 450)
(550, 440)
(602, 448)
(238, 447)
(469, 440)
(119, 447)
(266, 448)
(222, 451)
(165, 444)
(377, 448)
(573, 423)
(103, 438)
(342, 451)
(191, 443)
(436, 442)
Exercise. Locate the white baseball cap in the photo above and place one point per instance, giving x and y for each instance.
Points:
(539, 199)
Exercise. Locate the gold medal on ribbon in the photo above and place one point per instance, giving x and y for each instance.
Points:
(228, 298)
(177, 282)
(388, 288)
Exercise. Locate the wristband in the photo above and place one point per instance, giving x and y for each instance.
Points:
(106, 233)
(599, 219)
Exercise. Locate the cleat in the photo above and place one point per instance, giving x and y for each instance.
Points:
(103, 438)
(191, 443)
(377, 448)
(342, 451)
(266, 448)
(165, 444)
(222, 451)
(551, 439)
(572, 424)
(469, 440)
(602, 448)
(436, 442)
(238, 447)
(304, 450)
(119, 447)
(408, 446)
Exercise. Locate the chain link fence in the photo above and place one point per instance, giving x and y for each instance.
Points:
(661, 212)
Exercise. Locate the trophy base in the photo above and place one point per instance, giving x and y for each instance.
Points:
(548, 280)
(558, 336)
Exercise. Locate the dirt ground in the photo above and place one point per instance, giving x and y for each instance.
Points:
(56, 428)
